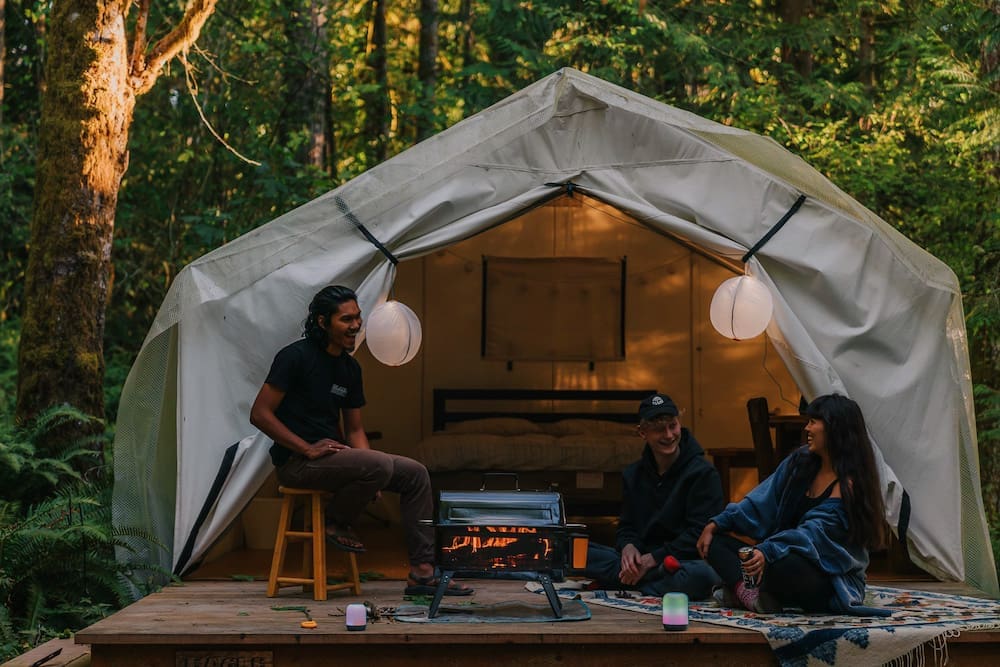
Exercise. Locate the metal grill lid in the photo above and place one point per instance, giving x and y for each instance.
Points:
(509, 508)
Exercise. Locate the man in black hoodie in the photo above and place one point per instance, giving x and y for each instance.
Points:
(668, 496)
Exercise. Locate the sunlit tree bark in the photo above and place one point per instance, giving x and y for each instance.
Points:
(93, 73)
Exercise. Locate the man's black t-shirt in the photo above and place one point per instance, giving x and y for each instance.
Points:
(317, 387)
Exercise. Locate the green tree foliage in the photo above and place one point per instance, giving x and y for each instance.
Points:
(988, 404)
(16, 184)
(23, 30)
(17, 181)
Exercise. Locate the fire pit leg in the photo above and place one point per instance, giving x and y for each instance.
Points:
(550, 593)
(439, 593)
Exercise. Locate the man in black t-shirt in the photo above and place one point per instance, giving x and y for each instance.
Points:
(312, 382)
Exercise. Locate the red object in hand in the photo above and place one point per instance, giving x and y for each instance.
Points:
(671, 564)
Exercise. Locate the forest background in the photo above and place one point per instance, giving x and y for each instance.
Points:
(245, 109)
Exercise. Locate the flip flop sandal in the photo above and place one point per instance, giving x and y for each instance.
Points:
(429, 585)
(344, 539)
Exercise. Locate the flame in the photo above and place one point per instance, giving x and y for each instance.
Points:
(511, 552)
(477, 543)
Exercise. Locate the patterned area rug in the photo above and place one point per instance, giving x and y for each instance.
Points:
(918, 619)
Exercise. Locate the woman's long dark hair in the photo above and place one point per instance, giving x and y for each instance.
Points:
(326, 302)
(853, 459)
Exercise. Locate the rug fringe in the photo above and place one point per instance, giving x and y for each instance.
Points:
(913, 658)
(916, 657)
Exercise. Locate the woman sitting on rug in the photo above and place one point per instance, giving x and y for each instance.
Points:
(814, 520)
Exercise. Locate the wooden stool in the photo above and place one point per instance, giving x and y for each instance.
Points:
(314, 560)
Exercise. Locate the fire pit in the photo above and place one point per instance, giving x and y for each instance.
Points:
(482, 533)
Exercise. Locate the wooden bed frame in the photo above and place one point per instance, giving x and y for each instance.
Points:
(584, 494)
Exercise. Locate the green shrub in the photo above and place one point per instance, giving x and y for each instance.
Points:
(988, 427)
(58, 571)
(10, 332)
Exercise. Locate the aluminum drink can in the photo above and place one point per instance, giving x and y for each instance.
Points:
(745, 554)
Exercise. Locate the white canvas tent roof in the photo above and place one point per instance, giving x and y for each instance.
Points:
(859, 309)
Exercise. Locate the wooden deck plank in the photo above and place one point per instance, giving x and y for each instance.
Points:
(213, 612)
(462, 655)
(212, 620)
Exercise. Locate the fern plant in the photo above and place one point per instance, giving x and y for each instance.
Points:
(25, 476)
(58, 571)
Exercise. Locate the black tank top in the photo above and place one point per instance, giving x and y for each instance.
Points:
(806, 503)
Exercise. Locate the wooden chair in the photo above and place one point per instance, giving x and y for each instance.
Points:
(313, 559)
(760, 433)
(727, 458)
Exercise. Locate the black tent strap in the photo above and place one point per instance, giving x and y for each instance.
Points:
(903, 526)
(774, 230)
(569, 186)
(345, 209)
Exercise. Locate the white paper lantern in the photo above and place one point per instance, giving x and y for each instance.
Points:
(741, 308)
(393, 333)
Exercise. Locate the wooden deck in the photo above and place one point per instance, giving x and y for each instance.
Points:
(213, 621)
(233, 624)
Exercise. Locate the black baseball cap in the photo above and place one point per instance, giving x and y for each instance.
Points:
(656, 405)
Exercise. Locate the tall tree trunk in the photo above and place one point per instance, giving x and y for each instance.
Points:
(989, 70)
(792, 12)
(986, 356)
(331, 136)
(465, 18)
(866, 50)
(321, 116)
(92, 81)
(82, 154)
(377, 101)
(307, 81)
(427, 68)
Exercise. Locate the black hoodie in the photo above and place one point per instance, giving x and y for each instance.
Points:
(664, 515)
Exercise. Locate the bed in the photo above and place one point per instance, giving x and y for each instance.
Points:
(575, 441)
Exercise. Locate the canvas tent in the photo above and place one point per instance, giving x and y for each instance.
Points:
(859, 309)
